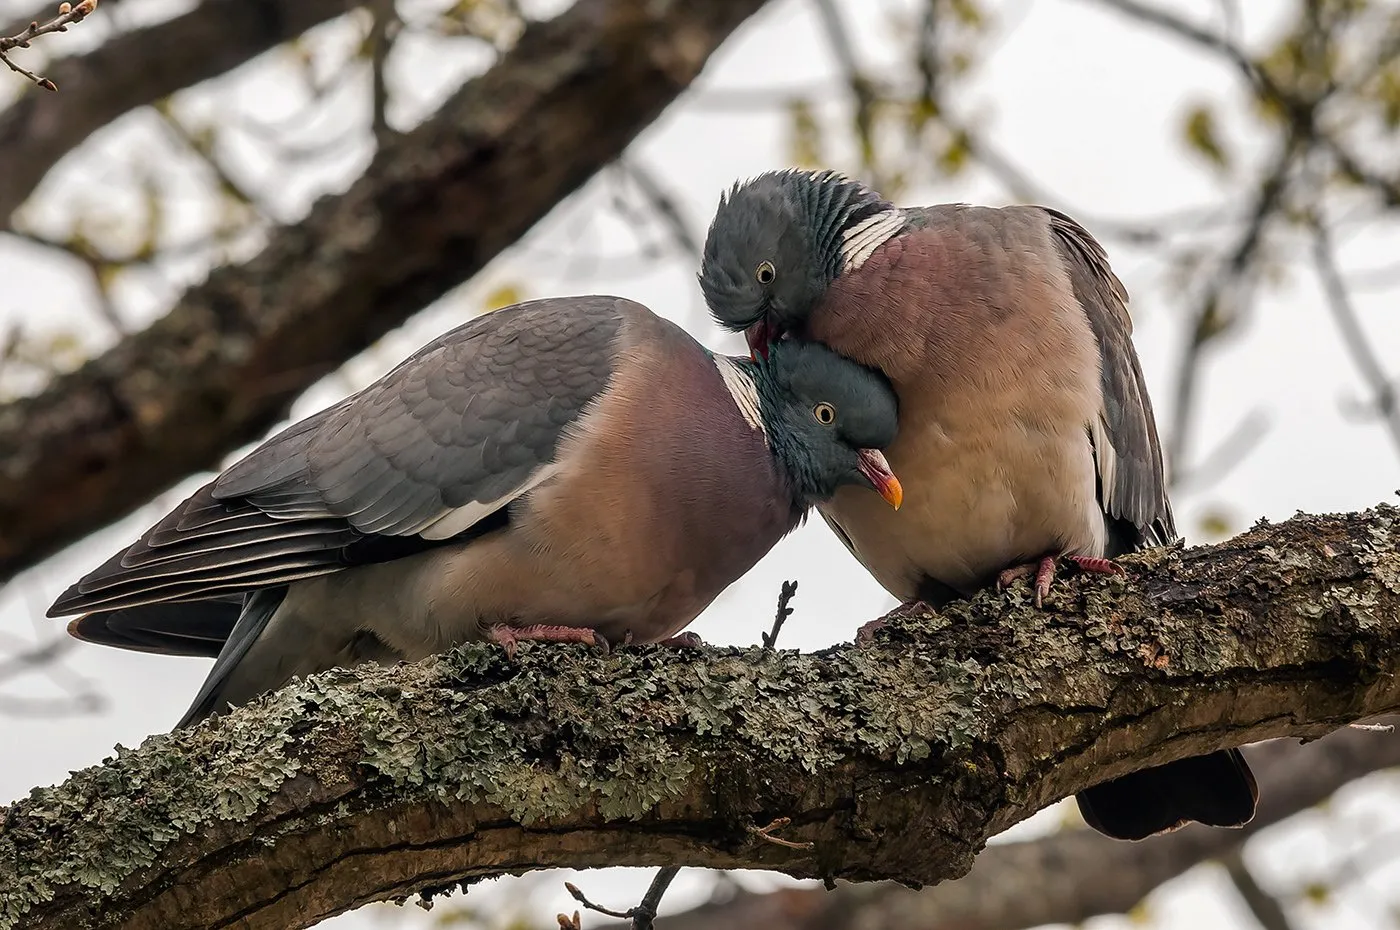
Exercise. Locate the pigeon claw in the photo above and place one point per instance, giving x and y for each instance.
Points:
(508, 636)
(1044, 571)
(686, 640)
(865, 635)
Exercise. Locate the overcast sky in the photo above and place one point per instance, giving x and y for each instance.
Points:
(1086, 102)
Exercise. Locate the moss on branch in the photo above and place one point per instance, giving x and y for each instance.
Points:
(895, 761)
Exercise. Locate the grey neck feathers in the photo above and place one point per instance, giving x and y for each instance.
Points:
(849, 221)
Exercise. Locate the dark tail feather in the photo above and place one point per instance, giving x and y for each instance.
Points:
(1217, 790)
(197, 628)
(253, 619)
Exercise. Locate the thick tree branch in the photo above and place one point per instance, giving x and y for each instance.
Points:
(433, 208)
(894, 761)
(1060, 879)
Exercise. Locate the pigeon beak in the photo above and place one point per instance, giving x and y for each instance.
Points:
(877, 471)
(759, 336)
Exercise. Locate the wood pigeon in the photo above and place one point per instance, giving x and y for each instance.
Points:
(1026, 434)
(573, 469)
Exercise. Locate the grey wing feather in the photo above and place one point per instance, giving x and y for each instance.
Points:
(183, 629)
(425, 454)
(1127, 451)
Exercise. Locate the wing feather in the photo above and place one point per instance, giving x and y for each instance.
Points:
(434, 451)
(1127, 451)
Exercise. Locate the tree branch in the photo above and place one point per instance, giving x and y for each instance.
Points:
(435, 205)
(896, 761)
(136, 69)
(1059, 879)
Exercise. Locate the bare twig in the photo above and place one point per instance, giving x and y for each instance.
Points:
(642, 916)
(27, 659)
(382, 33)
(665, 206)
(766, 834)
(1264, 906)
(577, 893)
(785, 597)
(645, 913)
(1356, 172)
(1172, 23)
(204, 149)
(861, 87)
(1358, 346)
(68, 14)
(9, 344)
(1213, 311)
(1227, 454)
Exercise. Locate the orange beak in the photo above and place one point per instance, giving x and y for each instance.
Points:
(877, 470)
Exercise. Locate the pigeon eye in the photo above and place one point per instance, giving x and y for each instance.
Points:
(765, 273)
(825, 414)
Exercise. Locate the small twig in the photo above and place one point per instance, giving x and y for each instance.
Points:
(860, 86)
(1373, 727)
(665, 205)
(1228, 453)
(1215, 309)
(1264, 906)
(1358, 345)
(204, 149)
(785, 597)
(577, 893)
(641, 916)
(36, 656)
(766, 834)
(68, 14)
(645, 912)
(382, 33)
(9, 344)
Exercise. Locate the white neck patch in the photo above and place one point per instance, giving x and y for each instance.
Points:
(745, 393)
(860, 242)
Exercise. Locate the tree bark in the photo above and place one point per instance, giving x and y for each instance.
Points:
(436, 204)
(895, 761)
(1064, 878)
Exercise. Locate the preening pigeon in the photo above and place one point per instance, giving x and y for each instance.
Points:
(550, 471)
(1026, 434)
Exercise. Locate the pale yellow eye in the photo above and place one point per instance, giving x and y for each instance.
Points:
(825, 414)
(765, 273)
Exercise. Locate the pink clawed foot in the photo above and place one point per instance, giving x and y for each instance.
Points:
(507, 636)
(1044, 571)
(685, 640)
(866, 634)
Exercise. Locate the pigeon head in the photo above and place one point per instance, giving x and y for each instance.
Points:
(779, 240)
(827, 419)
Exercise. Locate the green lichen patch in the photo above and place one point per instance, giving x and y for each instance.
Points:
(940, 702)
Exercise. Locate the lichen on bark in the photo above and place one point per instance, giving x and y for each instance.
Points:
(897, 760)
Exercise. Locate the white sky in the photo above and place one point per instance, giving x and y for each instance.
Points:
(1087, 103)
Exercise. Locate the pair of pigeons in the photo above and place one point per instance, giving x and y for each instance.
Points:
(580, 470)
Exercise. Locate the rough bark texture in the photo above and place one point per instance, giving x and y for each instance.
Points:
(896, 761)
(433, 208)
(1060, 879)
(136, 69)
